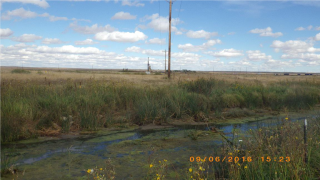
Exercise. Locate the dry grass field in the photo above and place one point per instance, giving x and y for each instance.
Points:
(55, 75)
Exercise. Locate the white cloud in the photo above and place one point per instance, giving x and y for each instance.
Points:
(297, 50)
(307, 28)
(160, 24)
(91, 30)
(69, 49)
(226, 53)
(157, 41)
(149, 52)
(24, 14)
(5, 33)
(317, 38)
(201, 34)
(120, 36)
(52, 41)
(302, 56)
(300, 29)
(19, 13)
(132, 3)
(26, 38)
(318, 28)
(54, 18)
(41, 3)
(192, 48)
(257, 56)
(293, 46)
(66, 56)
(182, 57)
(276, 64)
(266, 32)
(85, 42)
(123, 16)
(133, 49)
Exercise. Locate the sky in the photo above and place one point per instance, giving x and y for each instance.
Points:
(274, 36)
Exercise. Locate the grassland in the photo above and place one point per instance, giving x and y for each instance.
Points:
(50, 102)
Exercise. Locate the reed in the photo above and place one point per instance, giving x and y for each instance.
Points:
(28, 108)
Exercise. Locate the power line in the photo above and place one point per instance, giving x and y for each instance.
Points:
(179, 9)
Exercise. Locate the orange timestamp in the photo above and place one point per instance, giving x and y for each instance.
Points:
(237, 159)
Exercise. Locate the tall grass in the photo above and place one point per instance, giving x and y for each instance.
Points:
(269, 153)
(285, 140)
(28, 108)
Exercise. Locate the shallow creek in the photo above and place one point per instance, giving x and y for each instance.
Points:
(131, 150)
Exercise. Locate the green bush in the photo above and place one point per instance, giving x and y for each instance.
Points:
(20, 71)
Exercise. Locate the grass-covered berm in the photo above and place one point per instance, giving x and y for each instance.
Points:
(31, 109)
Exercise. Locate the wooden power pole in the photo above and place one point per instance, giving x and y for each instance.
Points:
(169, 51)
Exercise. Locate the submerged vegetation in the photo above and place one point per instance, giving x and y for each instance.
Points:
(31, 109)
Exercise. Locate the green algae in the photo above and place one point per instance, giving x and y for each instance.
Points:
(111, 137)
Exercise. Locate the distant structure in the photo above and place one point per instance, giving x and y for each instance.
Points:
(149, 67)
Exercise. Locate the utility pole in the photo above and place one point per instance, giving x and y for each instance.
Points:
(148, 65)
(165, 61)
(169, 53)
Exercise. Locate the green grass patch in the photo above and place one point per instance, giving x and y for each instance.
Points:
(20, 71)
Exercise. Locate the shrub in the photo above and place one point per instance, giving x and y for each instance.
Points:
(20, 71)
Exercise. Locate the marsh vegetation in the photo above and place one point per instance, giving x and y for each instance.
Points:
(59, 103)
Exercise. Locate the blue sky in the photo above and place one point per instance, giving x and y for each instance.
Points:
(206, 35)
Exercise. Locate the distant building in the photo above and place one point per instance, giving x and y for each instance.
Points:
(149, 66)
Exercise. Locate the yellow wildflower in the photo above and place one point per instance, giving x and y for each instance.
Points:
(100, 169)
(190, 169)
(238, 164)
(201, 169)
(159, 161)
(90, 171)
(296, 137)
(165, 160)
(158, 178)
(230, 154)
(287, 118)
(151, 165)
(246, 167)
(191, 177)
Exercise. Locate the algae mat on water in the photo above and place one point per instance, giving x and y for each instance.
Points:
(112, 137)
